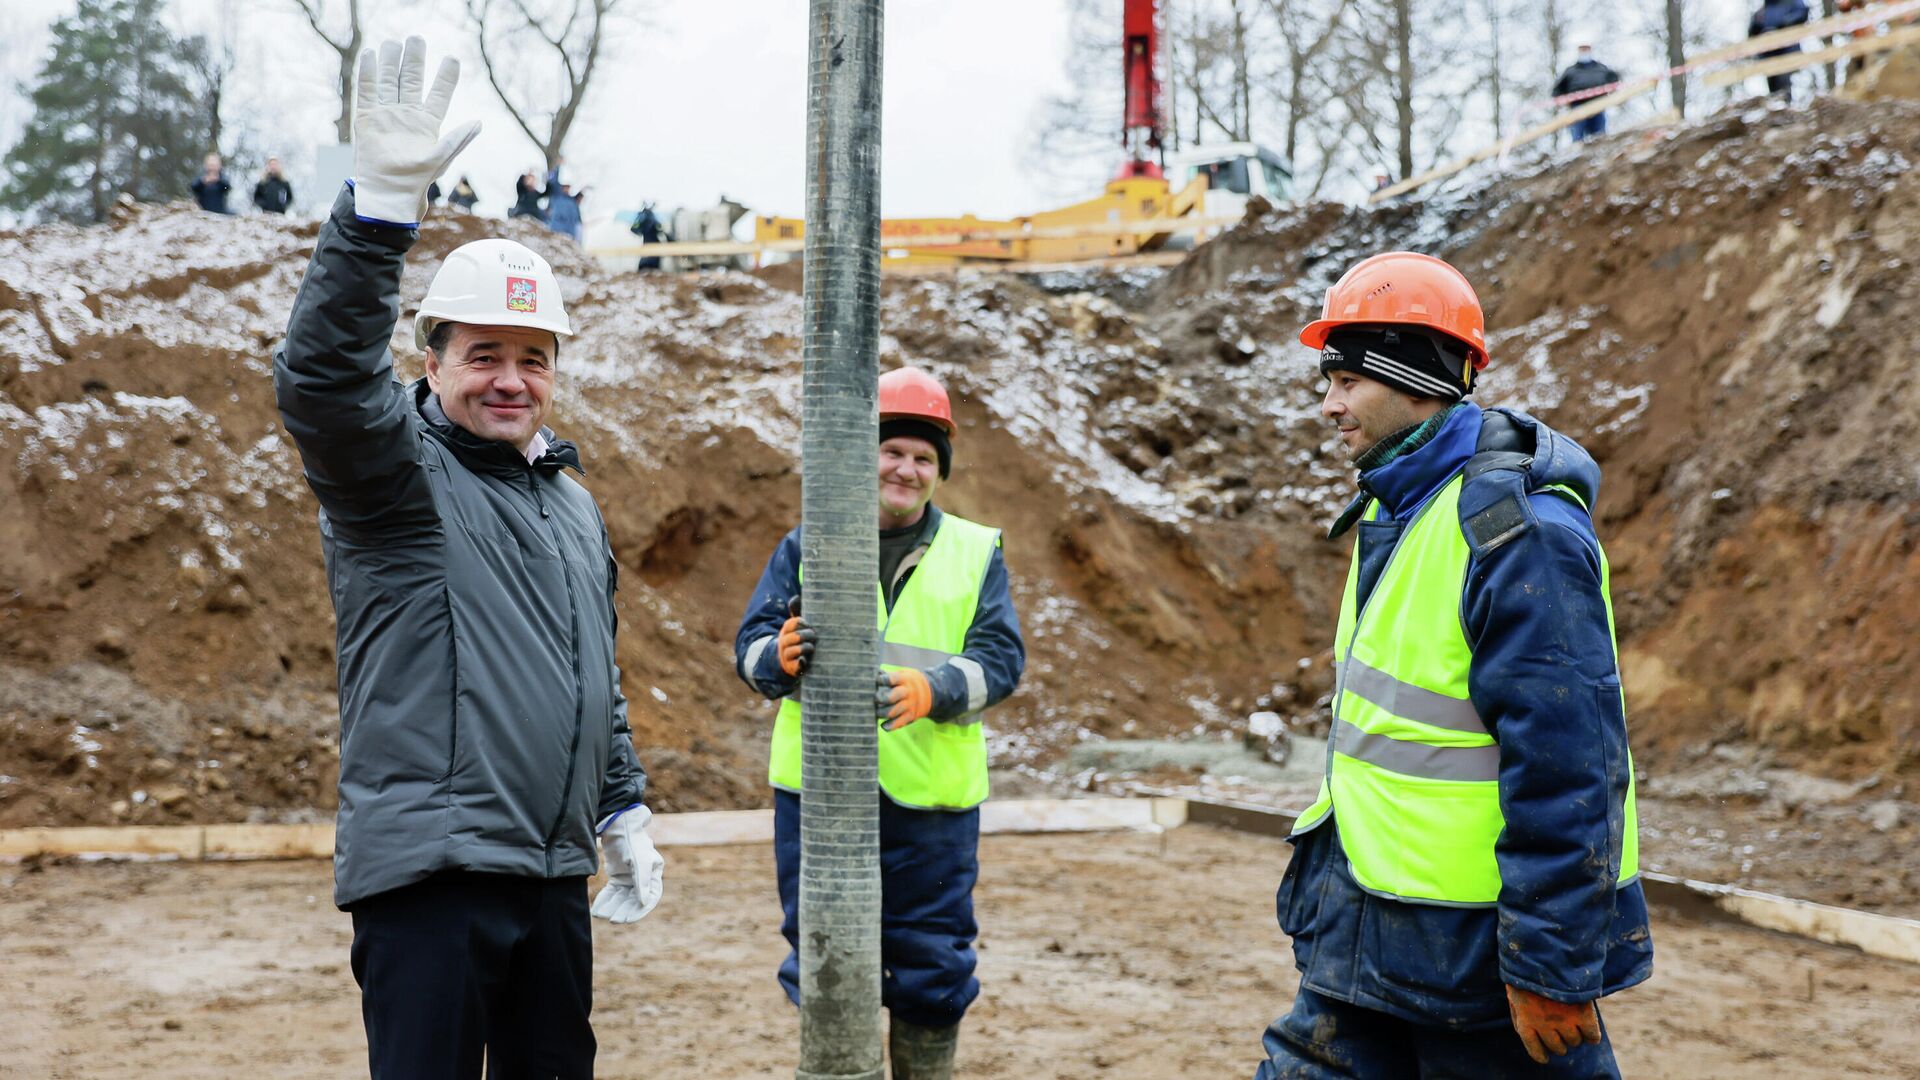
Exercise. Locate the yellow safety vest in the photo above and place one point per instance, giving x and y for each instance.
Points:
(1411, 768)
(931, 764)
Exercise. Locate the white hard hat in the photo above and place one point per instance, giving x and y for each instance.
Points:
(494, 282)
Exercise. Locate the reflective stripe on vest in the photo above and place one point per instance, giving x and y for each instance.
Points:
(1411, 767)
(936, 764)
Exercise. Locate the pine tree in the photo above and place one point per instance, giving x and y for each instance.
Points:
(113, 111)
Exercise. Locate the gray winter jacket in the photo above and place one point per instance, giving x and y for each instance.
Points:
(482, 725)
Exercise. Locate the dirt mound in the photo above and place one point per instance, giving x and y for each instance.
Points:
(1722, 315)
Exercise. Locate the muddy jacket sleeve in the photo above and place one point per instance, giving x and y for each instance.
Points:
(1544, 678)
(333, 380)
(626, 780)
(755, 659)
(989, 668)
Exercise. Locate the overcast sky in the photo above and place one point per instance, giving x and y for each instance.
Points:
(703, 97)
(696, 99)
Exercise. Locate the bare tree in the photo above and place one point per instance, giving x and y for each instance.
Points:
(1553, 25)
(1218, 76)
(1496, 15)
(1076, 135)
(212, 58)
(346, 47)
(1677, 53)
(1306, 32)
(574, 31)
(1828, 9)
(1403, 80)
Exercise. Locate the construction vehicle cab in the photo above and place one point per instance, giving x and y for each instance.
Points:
(1235, 172)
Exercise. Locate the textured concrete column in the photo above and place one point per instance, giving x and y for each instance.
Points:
(840, 1034)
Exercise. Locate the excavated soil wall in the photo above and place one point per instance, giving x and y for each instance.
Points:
(1724, 314)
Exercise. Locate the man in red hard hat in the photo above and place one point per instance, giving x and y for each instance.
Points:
(950, 648)
(1464, 889)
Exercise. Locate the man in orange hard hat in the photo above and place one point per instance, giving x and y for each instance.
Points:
(950, 647)
(1464, 888)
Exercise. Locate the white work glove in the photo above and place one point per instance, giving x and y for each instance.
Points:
(398, 151)
(635, 871)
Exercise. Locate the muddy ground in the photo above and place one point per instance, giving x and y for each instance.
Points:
(1148, 957)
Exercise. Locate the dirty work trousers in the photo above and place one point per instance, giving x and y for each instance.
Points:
(929, 860)
(462, 964)
(1326, 1039)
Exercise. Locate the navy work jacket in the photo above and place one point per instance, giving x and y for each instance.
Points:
(1535, 612)
(993, 641)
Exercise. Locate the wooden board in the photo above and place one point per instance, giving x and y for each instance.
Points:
(1877, 935)
(712, 827)
(1781, 65)
(315, 841)
(268, 841)
(182, 842)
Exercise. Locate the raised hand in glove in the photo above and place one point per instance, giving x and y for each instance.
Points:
(1547, 1026)
(398, 150)
(796, 642)
(902, 697)
(635, 871)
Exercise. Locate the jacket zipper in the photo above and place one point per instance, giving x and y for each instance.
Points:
(579, 694)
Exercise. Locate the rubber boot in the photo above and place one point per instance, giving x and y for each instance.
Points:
(920, 1053)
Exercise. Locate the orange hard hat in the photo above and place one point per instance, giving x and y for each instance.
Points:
(909, 393)
(1404, 288)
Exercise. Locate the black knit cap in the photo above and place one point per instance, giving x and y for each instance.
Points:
(1410, 360)
(908, 427)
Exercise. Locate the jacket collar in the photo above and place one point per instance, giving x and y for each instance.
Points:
(1404, 484)
(928, 525)
(490, 455)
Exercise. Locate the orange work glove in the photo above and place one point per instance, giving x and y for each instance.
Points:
(902, 697)
(796, 642)
(1547, 1026)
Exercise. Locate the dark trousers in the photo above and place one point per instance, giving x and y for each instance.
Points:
(929, 860)
(1781, 85)
(461, 966)
(1325, 1039)
(1588, 128)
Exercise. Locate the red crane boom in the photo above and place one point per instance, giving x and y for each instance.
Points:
(1140, 52)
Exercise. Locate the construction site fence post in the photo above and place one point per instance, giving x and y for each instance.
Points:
(839, 453)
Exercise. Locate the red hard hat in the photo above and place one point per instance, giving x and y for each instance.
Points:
(909, 392)
(1404, 288)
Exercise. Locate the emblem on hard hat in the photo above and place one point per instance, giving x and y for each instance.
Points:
(522, 295)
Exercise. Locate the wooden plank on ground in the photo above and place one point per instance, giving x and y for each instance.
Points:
(165, 841)
(269, 841)
(315, 841)
(1876, 935)
(703, 828)
(1070, 815)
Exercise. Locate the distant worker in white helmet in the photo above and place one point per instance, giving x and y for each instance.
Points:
(483, 734)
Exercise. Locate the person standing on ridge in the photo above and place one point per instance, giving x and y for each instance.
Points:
(950, 648)
(526, 197)
(272, 194)
(483, 734)
(1464, 889)
(211, 187)
(1778, 15)
(1584, 74)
